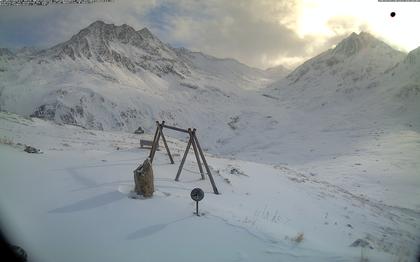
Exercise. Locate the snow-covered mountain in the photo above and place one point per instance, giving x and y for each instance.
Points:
(277, 72)
(406, 75)
(332, 102)
(352, 65)
(401, 86)
(338, 139)
(114, 77)
(361, 76)
(122, 46)
(228, 69)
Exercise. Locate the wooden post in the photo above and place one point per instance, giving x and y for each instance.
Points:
(205, 165)
(155, 143)
(154, 139)
(164, 142)
(184, 157)
(197, 156)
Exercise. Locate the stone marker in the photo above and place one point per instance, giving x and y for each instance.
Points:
(143, 179)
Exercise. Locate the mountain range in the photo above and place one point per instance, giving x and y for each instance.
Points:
(116, 78)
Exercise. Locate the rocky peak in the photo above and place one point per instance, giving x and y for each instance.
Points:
(106, 32)
(145, 33)
(111, 32)
(97, 23)
(120, 45)
(357, 58)
(354, 43)
(96, 40)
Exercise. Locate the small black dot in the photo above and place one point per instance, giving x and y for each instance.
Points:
(392, 14)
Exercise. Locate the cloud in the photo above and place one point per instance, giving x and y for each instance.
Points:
(46, 26)
(260, 33)
(342, 25)
(250, 31)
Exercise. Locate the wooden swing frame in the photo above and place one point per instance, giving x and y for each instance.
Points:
(192, 141)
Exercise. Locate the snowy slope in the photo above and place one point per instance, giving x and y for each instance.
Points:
(5, 57)
(236, 73)
(403, 83)
(306, 120)
(78, 195)
(114, 77)
(344, 73)
(6, 53)
(356, 87)
(335, 143)
(277, 72)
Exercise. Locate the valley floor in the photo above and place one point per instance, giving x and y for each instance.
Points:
(73, 202)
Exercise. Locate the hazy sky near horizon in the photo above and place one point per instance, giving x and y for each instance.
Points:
(260, 33)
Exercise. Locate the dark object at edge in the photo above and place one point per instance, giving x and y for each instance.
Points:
(139, 131)
(11, 253)
(32, 150)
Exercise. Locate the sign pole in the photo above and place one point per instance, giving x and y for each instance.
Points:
(197, 194)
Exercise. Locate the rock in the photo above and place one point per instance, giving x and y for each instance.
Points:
(143, 179)
(235, 171)
(361, 243)
(32, 150)
(139, 131)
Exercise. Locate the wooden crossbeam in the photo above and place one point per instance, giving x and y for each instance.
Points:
(174, 128)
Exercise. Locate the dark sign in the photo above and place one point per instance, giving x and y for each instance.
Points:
(197, 194)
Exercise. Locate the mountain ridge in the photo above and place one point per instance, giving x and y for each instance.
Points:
(123, 45)
(353, 63)
(112, 77)
(119, 78)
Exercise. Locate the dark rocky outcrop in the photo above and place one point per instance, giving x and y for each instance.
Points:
(139, 131)
(143, 179)
(31, 150)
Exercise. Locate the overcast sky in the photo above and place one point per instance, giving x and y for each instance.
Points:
(260, 33)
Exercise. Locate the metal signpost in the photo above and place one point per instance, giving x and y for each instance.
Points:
(197, 194)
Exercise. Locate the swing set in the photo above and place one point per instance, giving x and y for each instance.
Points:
(192, 141)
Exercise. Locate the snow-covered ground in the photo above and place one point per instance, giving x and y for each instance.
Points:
(328, 153)
(73, 201)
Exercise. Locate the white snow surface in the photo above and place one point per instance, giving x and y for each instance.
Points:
(73, 202)
(335, 143)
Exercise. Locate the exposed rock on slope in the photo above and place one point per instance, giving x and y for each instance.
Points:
(114, 77)
(121, 45)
